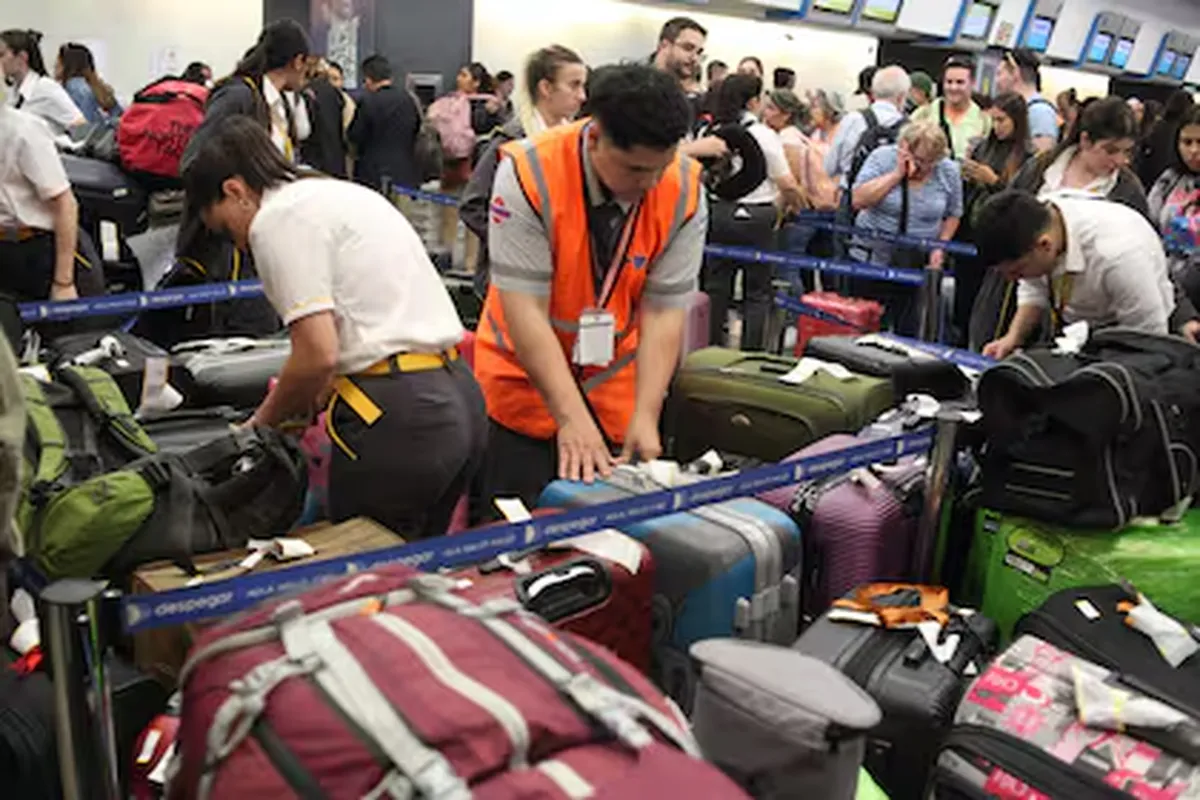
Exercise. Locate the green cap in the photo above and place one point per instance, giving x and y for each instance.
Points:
(922, 81)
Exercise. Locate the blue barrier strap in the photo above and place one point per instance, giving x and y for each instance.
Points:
(221, 598)
(961, 358)
(428, 197)
(855, 269)
(135, 302)
(874, 235)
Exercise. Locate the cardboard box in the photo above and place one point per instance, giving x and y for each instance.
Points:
(162, 652)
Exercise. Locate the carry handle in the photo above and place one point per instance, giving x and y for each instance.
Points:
(565, 590)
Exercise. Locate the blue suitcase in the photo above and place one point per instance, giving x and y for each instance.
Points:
(727, 570)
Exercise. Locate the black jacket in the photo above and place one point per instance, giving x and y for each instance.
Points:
(384, 133)
(325, 148)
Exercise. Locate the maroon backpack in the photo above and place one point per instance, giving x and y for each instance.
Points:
(398, 684)
(158, 125)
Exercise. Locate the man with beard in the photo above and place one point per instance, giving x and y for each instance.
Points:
(680, 52)
(963, 121)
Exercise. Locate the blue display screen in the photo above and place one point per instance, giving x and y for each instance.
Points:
(1166, 62)
(1038, 37)
(978, 21)
(1121, 52)
(1181, 67)
(1098, 52)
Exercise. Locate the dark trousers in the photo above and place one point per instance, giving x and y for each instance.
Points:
(515, 466)
(742, 226)
(408, 470)
(27, 268)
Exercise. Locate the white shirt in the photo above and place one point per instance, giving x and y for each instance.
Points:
(327, 245)
(31, 172)
(777, 163)
(279, 125)
(1117, 268)
(1052, 179)
(45, 97)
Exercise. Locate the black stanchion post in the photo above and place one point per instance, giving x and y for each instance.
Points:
(937, 482)
(82, 697)
(930, 305)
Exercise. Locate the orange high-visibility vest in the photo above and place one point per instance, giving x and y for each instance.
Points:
(550, 170)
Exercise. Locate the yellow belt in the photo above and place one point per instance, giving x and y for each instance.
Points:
(17, 234)
(358, 400)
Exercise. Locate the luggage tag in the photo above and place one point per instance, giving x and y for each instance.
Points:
(596, 342)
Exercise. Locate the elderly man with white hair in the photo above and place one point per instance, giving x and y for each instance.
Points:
(889, 88)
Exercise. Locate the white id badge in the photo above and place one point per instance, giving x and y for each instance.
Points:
(597, 337)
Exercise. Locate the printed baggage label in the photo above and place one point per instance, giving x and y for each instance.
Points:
(1032, 554)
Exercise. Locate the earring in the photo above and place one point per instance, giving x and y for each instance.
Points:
(245, 203)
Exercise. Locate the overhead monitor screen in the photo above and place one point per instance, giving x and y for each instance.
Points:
(882, 10)
(1098, 52)
(1181, 67)
(1120, 56)
(1166, 62)
(834, 6)
(978, 21)
(1038, 37)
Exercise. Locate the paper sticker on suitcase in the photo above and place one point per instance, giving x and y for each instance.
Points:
(729, 570)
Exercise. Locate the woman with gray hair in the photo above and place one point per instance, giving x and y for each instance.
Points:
(826, 112)
(787, 115)
(910, 187)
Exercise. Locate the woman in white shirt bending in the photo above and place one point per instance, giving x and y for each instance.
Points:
(370, 322)
(748, 220)
(31, 89)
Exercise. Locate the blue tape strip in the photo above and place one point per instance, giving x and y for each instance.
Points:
(873, 235)
(855, 269)
(221, 598)
(136, 302)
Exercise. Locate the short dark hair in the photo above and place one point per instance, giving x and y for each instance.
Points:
(1028, 64)
(336, 67)
(503, 75)
(637, 105)
(237, 146)
(677, 25)
(784, 78)
(755, 60)
(713, 66)
(734, 94)
(959, 61)
(1008, 225)
(377, 68)
(195, 73)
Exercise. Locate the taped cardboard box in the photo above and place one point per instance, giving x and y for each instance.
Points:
(162, 652)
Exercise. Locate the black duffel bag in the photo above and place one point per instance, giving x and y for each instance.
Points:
(1096, 438)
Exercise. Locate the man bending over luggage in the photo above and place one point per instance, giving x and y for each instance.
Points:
(596, 236)
(1076, 258)
(367, 315)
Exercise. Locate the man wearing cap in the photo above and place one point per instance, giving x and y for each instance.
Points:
(922, 92)
(1020, 72)
(963, 121)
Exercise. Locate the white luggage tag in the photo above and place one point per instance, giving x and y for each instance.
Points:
(809, 366)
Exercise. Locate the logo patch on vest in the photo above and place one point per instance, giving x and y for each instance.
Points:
(500, 212)
(638, 262)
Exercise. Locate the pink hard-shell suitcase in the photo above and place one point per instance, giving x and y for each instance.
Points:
(695, 329)
(857, 527)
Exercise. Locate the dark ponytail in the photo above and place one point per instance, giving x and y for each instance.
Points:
(279, 44)
(733, 95)
(28, 42)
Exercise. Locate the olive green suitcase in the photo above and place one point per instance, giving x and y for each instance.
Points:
(736, 403)
(1019, 563)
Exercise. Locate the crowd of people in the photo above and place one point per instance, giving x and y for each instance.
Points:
(588, 197)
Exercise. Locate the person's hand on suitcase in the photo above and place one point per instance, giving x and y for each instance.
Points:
(1191, 330)
(642, 442)
(999, 349)
(582, 451)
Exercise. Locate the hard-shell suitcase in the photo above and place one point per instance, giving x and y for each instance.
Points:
(391, 683)
(122, 355)
(106, 194)
(862, 316)
(859, 526)
(1017, 735)
(737, 403)
(731, 569)
(1086, 623)
(603, 600)
(229, 372)
(184, 429)
(916, 692)
(695, 327)
(1021, 563)
(461, 286)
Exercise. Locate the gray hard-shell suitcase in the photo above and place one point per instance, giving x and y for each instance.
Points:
(234, 371)
(727, 570)
(780, 723)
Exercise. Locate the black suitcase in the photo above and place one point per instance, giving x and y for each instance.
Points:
(909, 373)
(184, 429)
(917, 694)
(1106, 640)
(28, 750)
(461, 286)
(865, 358)
(127, 364)
(107, 194)
(228, 372)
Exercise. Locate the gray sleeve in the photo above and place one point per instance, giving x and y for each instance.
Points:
(518, 247)
(477, 197)
(674, 275)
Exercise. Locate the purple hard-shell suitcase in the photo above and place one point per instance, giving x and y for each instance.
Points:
(695, 329)
(858, 526)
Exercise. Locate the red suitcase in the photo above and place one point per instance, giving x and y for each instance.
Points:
(391, 683)
(862, 316)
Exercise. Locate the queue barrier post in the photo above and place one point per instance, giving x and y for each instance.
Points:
(83, 714)
(930, 306)
(937, 484)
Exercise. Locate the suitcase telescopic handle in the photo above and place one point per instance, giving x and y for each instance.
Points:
(566, 589)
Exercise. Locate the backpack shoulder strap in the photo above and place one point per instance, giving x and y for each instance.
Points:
(871, 119)
(103, 399)
(47, 433)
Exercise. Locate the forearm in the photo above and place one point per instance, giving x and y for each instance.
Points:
(299, 392)
(540, 353)
(873, 191)
(1024, 322)
(66, 238)
(661, 332)
(792, 196)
